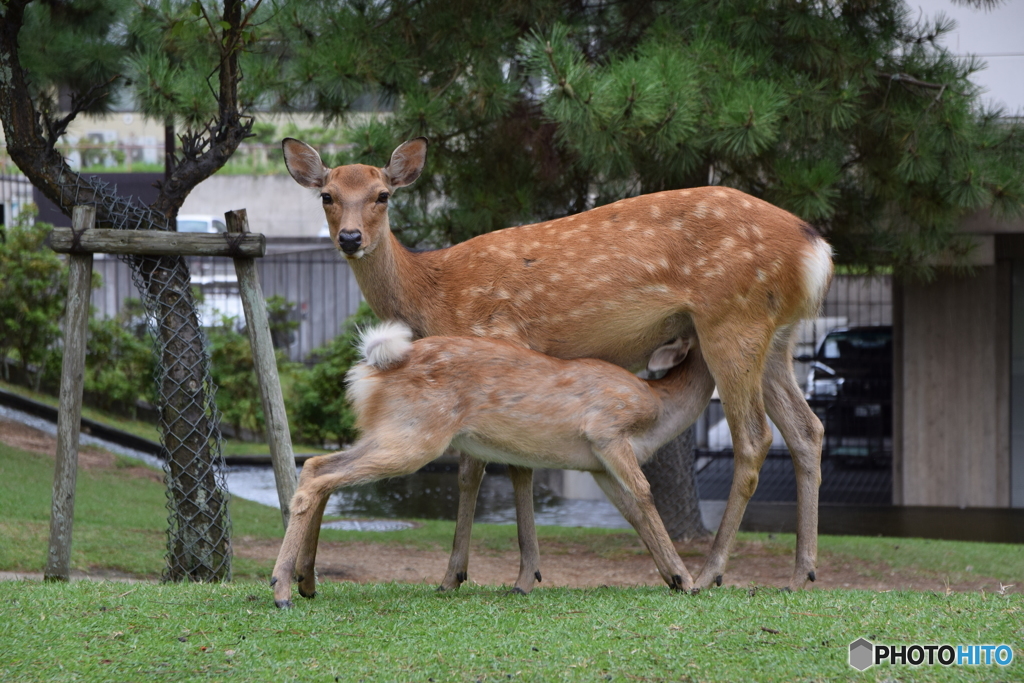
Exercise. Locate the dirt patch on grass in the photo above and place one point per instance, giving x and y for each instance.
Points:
(752, 563)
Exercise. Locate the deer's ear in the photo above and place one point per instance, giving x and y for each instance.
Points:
(669, 355)
(406, 162)
(304, 164)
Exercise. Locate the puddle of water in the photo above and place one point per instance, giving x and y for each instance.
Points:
(435, 495)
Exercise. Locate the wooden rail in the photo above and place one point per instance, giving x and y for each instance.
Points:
(279, 437)
(156, 243)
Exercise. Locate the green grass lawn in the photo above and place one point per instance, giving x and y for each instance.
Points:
(407, 632)
(132, 632)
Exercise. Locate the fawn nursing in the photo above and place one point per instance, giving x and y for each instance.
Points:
(506, 404)
(615, 283)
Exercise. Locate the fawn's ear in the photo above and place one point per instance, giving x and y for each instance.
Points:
(669, 355)
(406, 163)
(304, 164)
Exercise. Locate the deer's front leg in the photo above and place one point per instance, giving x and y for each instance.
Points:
(303, 506)
(471, 473)
(305, 566)
(529, 551)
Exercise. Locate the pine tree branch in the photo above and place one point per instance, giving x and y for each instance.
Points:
(562, 82)
(79, 103)
(204, 152)
(910, 80)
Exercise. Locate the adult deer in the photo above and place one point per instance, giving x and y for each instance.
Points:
(613, 283)
(507, 404)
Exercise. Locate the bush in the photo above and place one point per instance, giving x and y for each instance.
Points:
(321, 413)
(33, 290)
(120, 363)
(234, 371)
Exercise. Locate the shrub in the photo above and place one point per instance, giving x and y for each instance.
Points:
(233, 369)
(120, 362)
(33, 291)
(319, 412)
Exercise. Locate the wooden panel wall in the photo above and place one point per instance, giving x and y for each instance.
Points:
(954, 371)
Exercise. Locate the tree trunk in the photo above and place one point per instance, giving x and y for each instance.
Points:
(199, 541)
(672, 475)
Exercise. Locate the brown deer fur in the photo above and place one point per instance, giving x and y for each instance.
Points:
(613, 283)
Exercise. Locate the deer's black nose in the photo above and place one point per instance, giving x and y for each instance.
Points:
(349, 242)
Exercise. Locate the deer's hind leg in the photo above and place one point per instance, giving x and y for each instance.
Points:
(529, 550)
(627, 488)
(736, 354)
(471, 474)
(803, 433)
(365, 462)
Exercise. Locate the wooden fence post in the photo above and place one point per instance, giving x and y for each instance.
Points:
(69, 414)
(265, 361)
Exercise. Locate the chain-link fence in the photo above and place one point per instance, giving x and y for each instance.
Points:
(199, 526)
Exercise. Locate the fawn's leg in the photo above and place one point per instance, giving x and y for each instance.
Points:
(625, 485)
(529, 551)
(365, 462)
(471, 473)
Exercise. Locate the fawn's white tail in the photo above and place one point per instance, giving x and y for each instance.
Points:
(386, 344)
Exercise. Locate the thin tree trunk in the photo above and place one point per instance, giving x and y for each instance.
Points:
(199, 546)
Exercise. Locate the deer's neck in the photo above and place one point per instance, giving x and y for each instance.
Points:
(400, 285)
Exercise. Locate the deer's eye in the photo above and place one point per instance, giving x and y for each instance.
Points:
(328, 199)
(382, 198)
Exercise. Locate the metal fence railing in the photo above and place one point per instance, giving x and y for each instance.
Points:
(317, 284)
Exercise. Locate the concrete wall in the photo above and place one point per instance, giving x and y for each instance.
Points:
(952, 372)
(277, 205)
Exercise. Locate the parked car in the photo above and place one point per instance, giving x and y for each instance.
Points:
(849, 387)
(200, 223)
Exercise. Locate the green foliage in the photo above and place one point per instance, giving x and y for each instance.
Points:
(233, 369)
(78, 46)
(320, 411)
(33, 289)
(283, 321)
(120, 364)
(852, 115)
